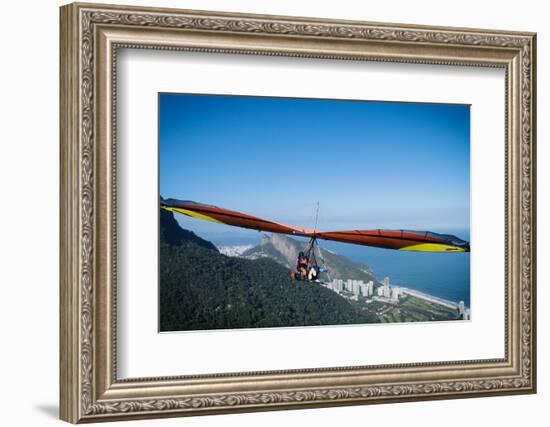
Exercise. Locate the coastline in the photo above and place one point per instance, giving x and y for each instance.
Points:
(431, 298)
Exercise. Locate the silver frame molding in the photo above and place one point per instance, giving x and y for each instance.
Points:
(90, 37)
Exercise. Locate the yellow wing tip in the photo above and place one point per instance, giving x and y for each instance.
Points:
(191, 214)
(433, 247)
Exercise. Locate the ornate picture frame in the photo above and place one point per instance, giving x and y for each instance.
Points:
(90, 37)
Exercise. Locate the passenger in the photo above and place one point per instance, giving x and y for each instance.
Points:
(313, 275)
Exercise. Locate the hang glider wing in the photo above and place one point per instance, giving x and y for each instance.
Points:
(425, 241)
(224, 216)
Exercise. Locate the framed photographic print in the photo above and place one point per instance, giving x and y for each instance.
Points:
(265, 212)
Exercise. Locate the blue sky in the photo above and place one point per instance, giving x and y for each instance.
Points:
(368, 164)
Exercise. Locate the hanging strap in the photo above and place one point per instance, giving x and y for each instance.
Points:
(310, 253)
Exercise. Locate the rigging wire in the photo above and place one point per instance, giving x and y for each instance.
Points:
(316, 219)
(313, 245)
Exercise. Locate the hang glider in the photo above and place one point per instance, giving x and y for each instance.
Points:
(405, 240)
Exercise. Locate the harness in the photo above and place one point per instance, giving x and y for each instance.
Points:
(312, 249)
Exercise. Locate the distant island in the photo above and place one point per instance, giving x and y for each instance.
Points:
(204, 287)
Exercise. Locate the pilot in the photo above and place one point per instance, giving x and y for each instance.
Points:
(301, 266)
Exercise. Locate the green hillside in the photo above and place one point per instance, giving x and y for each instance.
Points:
(203, 289)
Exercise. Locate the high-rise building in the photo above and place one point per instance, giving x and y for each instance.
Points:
(463, 311)
(386, 288)
(370, 289)
(461, 308)
(395, 294)
(349, 285)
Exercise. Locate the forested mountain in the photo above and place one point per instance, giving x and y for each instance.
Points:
(203, 289)
(172, 234)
